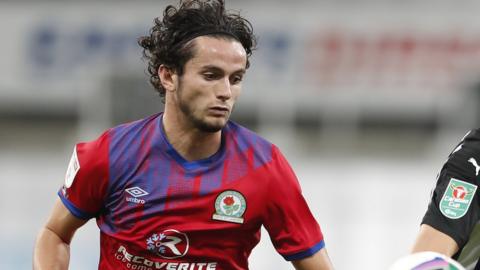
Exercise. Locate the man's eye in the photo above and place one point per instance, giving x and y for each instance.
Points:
(237, 79)
(210, 76)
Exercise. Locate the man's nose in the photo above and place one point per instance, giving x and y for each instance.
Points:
(224, 91)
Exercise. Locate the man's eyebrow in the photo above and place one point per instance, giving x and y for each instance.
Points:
(212, 68)
(240, 71)
(217, 69)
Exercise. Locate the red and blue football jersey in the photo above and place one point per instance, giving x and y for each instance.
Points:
(156, 210)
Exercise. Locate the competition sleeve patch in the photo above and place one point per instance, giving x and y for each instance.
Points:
(73, 167)
(86, 180)
(457, 198)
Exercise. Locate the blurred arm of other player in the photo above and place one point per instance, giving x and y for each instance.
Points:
(449, 225)
(319, 260)
(52, 248)
(431, 239)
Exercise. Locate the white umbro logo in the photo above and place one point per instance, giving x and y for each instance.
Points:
(474, 163)
(136, 192)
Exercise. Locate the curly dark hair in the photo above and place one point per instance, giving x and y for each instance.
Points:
(168, 43)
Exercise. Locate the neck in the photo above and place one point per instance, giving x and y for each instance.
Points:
(190, 142)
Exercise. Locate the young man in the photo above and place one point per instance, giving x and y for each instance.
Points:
(185, 189)
(450, 225)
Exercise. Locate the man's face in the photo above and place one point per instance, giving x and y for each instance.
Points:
(211, 82)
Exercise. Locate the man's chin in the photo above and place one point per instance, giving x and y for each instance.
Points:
(211, 126)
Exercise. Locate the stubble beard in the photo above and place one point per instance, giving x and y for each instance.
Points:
(197, 122)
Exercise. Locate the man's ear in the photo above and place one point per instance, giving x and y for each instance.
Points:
(168, 78)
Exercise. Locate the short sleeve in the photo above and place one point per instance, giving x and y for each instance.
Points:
(86, 180)
(454, 205)
(293, 230)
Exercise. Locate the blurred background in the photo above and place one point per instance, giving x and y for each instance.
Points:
(365, 98)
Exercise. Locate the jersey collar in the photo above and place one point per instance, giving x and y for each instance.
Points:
(196, 164)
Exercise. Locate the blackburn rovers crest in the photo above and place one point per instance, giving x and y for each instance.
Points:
(230, 206)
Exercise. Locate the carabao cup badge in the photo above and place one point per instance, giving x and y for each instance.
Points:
(230, 206)
(457, 198)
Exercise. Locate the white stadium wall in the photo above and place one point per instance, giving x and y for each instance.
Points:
(331, 58)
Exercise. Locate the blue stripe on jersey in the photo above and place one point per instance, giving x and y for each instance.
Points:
(307, 253)
(263, 153)
(212, 180)
(73, 209)
(130, 146)
(247, 139)
(157, 177)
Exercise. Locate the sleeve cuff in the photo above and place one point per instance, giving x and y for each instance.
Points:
(306, 253)
(439, 226)
(73, 209)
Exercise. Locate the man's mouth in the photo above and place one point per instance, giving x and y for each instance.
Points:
(219, 110)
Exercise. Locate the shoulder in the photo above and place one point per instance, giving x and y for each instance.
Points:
(244, 136)
(472, 141)
(464, 161)
(468, 147)
(117, 139)
(244, 139)
(124, 130)
(135, 130)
